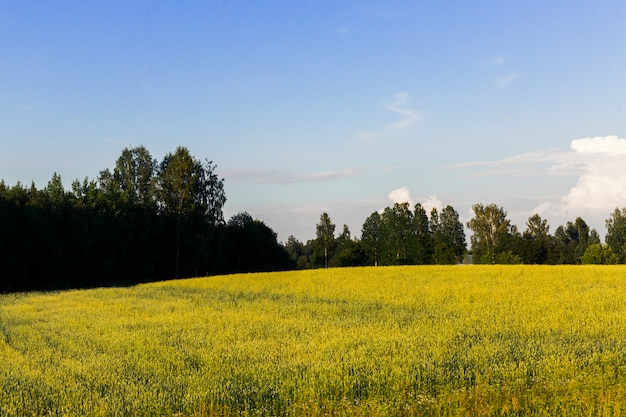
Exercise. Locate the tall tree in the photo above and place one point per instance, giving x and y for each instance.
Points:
(186, 187)
(616, 233)
(325, 237)
(423, 240)
(449, 236)
(134, 175)
(297, 252)
(371, 238)
(54, 190)
(491, 232)
(536, 241)
(573, 239)
(347, 250)
(398, 234)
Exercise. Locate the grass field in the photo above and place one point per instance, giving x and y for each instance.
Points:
(458, 340)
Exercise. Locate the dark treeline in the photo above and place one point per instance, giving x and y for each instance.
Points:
(148, 221)
(401, 235)
(143, 221)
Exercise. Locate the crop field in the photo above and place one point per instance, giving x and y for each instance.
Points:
(395, 341)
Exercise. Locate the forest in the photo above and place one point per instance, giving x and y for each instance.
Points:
(400, 235)
(143, 221)
(150, 221)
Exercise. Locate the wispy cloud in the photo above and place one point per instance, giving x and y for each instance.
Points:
(530, 164)
(342, 30)
(266, 176)
(505, 80)
(399, 106)
(499, 80)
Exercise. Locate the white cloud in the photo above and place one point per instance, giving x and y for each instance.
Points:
(402, 195)
(609, 145)
(602, 184)
(432, 202)
(597, 163)
(543, 209)
(398, 106)
(552, 162)
(267, 176)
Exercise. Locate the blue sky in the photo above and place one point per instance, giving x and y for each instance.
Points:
(314, 106)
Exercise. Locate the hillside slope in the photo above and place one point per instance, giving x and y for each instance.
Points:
(364, 341)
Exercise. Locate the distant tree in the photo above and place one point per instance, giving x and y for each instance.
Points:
(423, 237)
(599, 254)
(583, 237)
(297, 252)
(250, 245)
(371, 240)
(449, 236)
(54, 190)
(241, 220)
(616, 233)
(87, 192)
(398, 234)
(594, 237)
(491, 232)
(507, 257)
(572, 240)
(536, 241)
(135, 175)
(325, 238)
(347, 250)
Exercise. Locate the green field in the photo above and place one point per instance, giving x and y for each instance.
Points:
(457, 340)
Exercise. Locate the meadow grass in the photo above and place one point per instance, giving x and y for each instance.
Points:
(393, 341)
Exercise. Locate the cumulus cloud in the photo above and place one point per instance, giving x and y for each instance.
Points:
(432, 202)
(609, 145)
(602, 184)
(402, 195)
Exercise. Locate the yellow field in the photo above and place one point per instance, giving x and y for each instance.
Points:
(457, 340)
